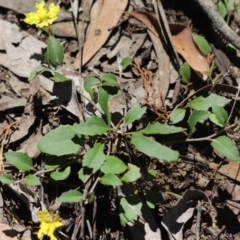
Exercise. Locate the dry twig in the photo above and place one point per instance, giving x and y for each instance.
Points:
(218, 22)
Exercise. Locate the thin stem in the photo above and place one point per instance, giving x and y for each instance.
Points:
(234, 104)
(92, 102)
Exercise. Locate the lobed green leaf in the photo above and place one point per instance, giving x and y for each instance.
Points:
(204, 103)
(153, 148)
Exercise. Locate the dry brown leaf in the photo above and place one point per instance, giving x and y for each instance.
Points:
(95, 11)
(184, 44)
(108, 17)
(230, 170)
(147, 19)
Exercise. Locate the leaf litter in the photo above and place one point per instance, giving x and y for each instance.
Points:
(125, 29)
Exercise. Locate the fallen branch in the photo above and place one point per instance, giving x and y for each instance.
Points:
(218, 22)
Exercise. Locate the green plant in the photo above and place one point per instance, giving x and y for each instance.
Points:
(95, 147)
(226, 8)
(101, 163)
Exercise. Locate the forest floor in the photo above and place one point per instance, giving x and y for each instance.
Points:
(175, 157)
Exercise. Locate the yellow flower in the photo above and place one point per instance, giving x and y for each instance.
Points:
(43, 17)
(48, 224)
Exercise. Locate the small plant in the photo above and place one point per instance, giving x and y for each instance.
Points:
(226, 8)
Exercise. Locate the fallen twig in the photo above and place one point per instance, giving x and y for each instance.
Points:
(218, 22)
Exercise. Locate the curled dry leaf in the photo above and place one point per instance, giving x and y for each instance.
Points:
(185, 45)
(147, 19)
(108, 17)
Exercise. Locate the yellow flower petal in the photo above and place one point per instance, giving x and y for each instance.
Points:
(52, 227)
(31, 18)
(43, 17)
(48, 224)
(40, 5)
(53, 10)
(44, 227)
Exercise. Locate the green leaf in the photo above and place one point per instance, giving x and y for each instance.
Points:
(58, 77)
(153, 149)
(103, 98)
(130, 208)
(134, 113)
(226, 147)
(195, 117)
(111, 180)
(132, 175)
(177, 115)
(213, 119)
(6, 178)
(222, 9)
(109, 79)
(71, 196)
(220, 113)
(39, 70)
(93, 126)
(31, 180)
(89, 83)
(19, 160)
(230, 5)
(58, 176)
(202, 44)
(84, 173)
(46, 57)
(153, 198)
(59, 142)
(54, 53)
(160, 128)
(185, 72)
(113, 165)
(94, 157)
(204, 103)
(153, 172)
(126, 62)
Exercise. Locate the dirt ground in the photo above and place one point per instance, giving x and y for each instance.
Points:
(199, 194)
